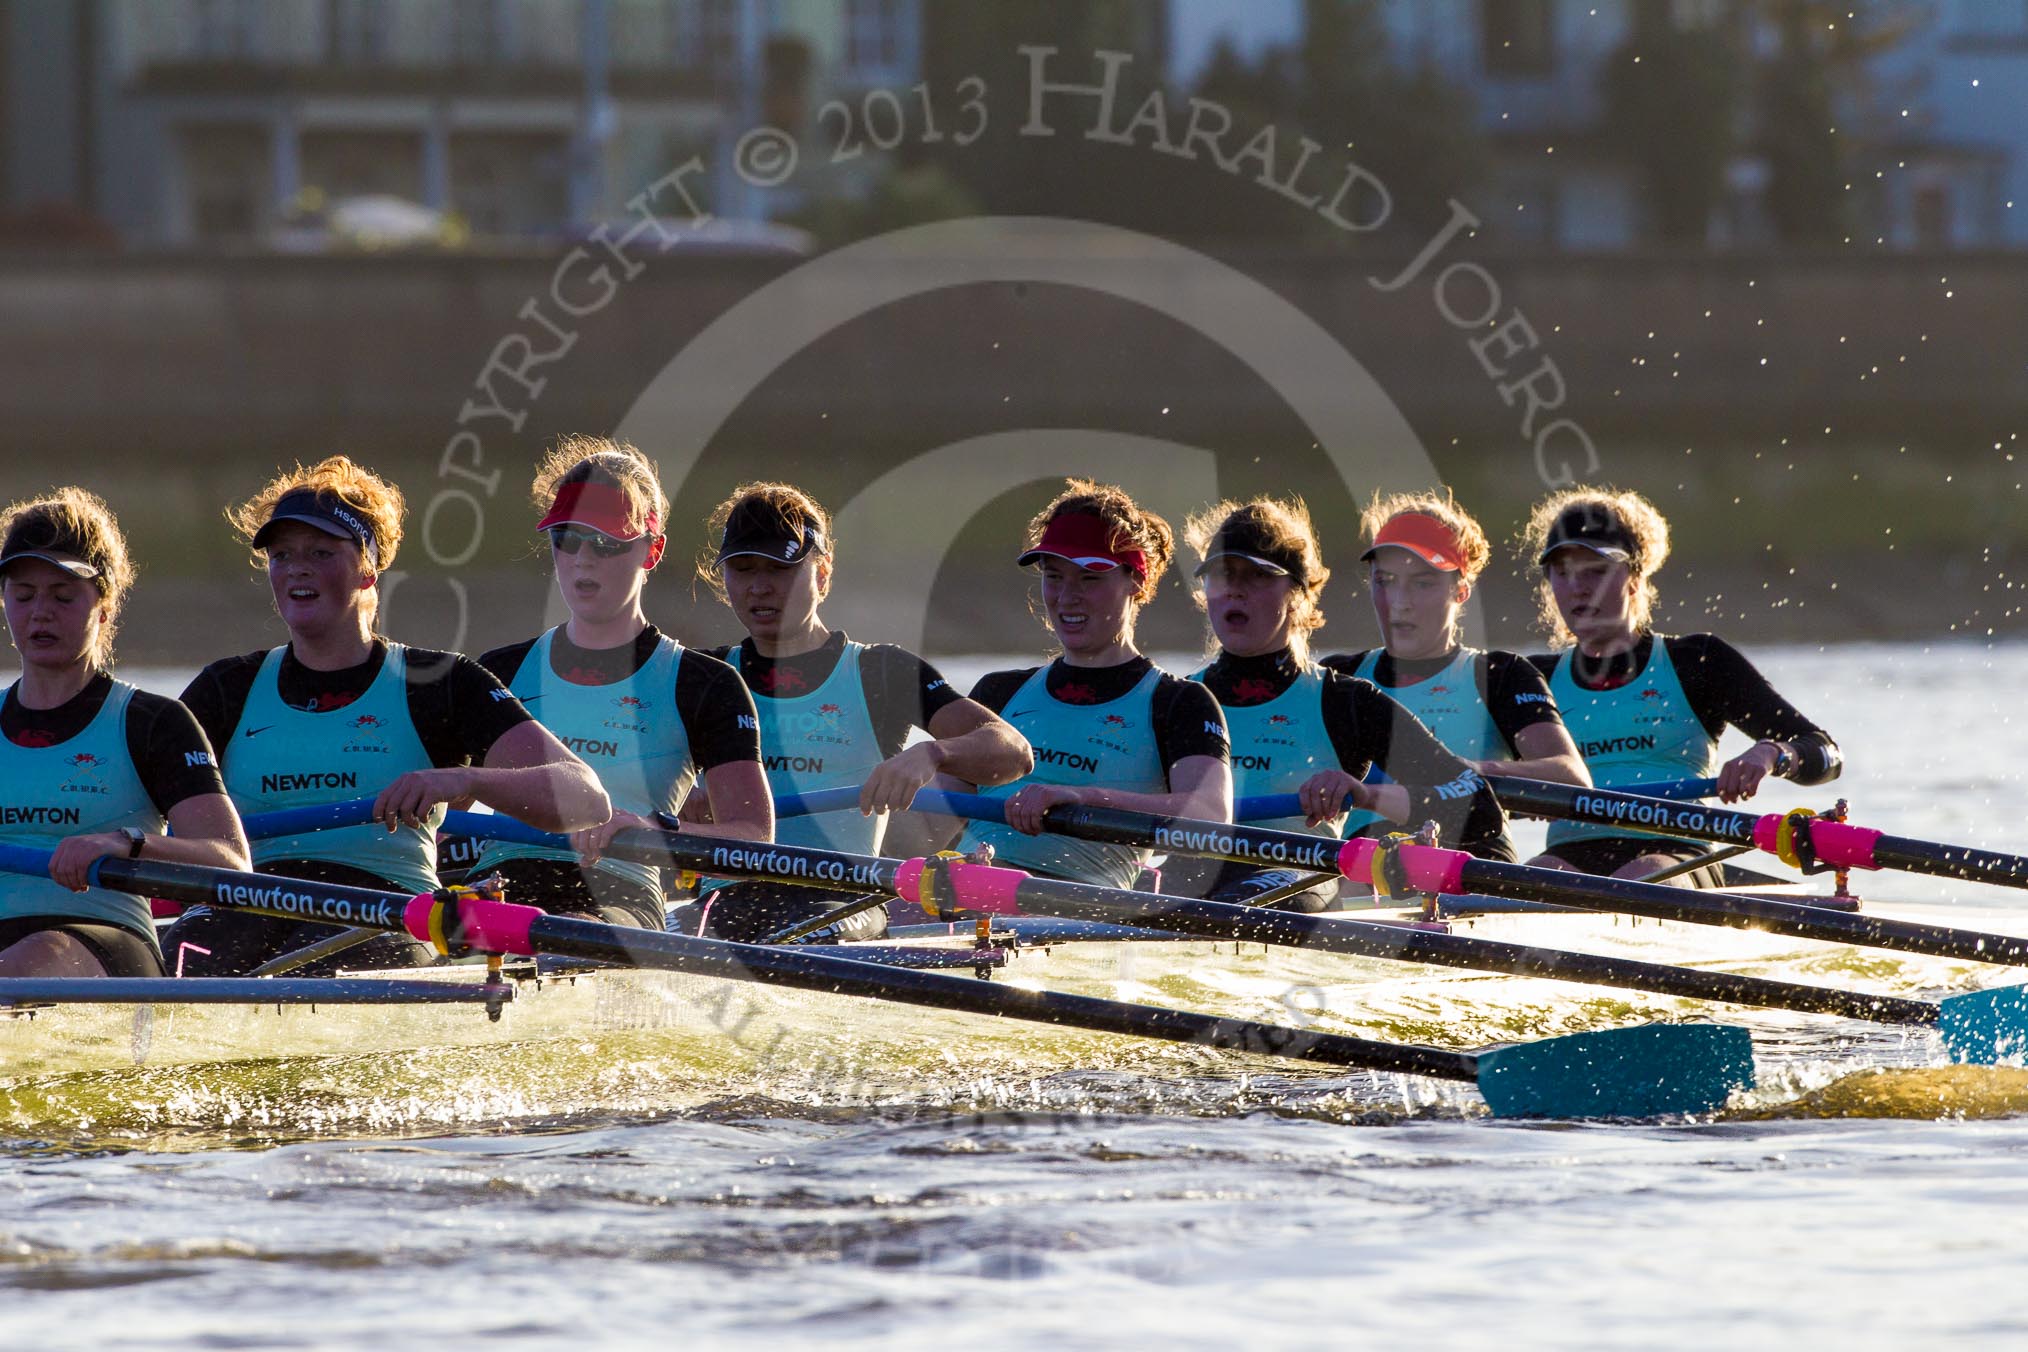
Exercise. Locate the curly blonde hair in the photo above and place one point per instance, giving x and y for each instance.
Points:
(1284, 524)
(358, 487)
(1128, 526)
(1476, 550)
(790, 505)
(1643, 524)
(77, 522)
(587, 459)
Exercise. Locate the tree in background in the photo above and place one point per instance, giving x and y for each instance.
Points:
(1818, 79)
(1671, 109)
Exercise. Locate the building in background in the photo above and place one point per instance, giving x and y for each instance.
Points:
(174, 123)
(202, 121)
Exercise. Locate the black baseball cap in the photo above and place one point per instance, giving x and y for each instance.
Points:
(756, 529)
(328, 512)
(38, 537)
(1588, 525)
(1243, 536)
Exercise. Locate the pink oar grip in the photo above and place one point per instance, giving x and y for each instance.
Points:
(983, 887)
(1843, 845)
(1430, 868)
(489, 926)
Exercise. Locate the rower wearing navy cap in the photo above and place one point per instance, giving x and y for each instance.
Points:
(1109, 727)
(1492, 708)
(90, 767)
(339, 713)
(1298, 727)
(833, 711)
(653, 719)
(1644, 707)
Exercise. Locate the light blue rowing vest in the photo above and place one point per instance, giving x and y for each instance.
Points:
(1451, 705)
(279, 757)
(628, 732)
(81, 786)
(822, 740)
(1278, 745)
(1637, 733)
(1111, 744)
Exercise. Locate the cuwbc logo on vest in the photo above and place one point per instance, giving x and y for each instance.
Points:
(84, 774)
(632, 716)
(367, 733)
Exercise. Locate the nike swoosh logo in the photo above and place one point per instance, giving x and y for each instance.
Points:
(251, 732)
(528, 699)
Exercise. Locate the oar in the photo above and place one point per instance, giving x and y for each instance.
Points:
(1429, 868)
(1979, 1026)
(1798, 838)
(1646, 1071)
(1263, 807)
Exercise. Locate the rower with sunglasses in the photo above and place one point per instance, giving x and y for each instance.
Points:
(652, 718)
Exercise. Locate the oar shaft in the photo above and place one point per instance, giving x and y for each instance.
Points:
(496, 926)
(1440, 870)
(992, 888)
(1339, 934)
(808, 969)
(1835, 843)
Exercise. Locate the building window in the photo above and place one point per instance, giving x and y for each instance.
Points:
(476, 38)
(225, 30)
(1517, 37)
(876, 33)
(705, 34)
(358, 30)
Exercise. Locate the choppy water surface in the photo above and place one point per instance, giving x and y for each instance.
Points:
(930, 1182)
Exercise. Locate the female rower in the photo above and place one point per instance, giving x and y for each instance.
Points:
(648, 716)
(1641, 706)
(90, 767)
(1109, 728)
(339, 713)
(1298, 727)
(833, 711)
(1492, 708)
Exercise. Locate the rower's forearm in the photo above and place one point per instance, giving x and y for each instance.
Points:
(986, 756)
(1391, 801)
(547, 797)
(1190, 806)
(1552, 769)
(204, 851)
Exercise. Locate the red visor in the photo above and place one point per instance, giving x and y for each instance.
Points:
(600, 507)
(1085, 541)
(1423, 536)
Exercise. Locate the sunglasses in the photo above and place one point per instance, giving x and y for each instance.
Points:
(570, 539)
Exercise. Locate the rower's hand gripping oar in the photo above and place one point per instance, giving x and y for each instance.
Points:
(1801, 838)
(1633, 1072)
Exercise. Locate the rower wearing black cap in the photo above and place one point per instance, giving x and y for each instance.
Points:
(1493, 708)
(1109, 727)
(1644, 707)
(833, 711)
(1298, 727)
(90, 767)
(339, 713)
(653, 719)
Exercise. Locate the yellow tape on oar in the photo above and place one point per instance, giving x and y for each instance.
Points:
(1795, 822)
(1386, 866)
(936, 874)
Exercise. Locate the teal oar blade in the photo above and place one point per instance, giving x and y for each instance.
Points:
(1654, 1070)
(1984, 1028)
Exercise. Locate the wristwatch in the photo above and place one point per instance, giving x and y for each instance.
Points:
(136, 838)
(1787, 762)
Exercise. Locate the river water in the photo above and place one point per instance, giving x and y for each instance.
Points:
(1066, 1189)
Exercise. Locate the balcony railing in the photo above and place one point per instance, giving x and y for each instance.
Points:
(695, 36)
